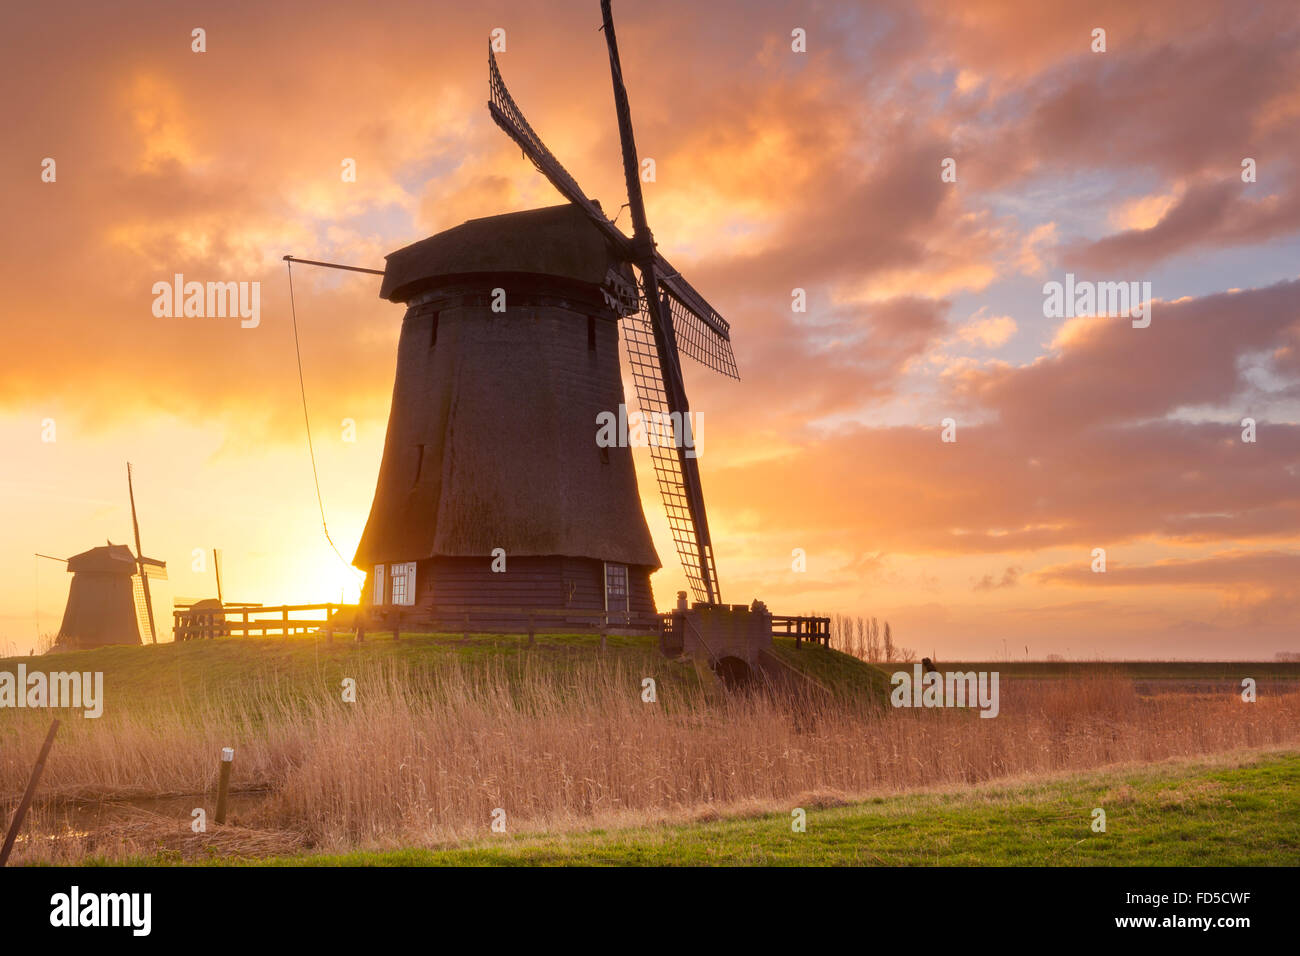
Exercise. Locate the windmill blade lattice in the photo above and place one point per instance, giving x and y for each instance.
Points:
(510, 118)
(648, 379)
(701, 333)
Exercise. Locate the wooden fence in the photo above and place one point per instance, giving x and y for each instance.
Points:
(194, 623)
(815, 629)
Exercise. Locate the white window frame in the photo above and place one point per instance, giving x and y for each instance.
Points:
(627, 586)
(379, 579)
(404, 572)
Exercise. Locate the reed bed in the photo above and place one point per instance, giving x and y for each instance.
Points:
(425, 756)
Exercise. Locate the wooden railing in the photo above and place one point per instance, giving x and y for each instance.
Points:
(815, 629)
(193, 623)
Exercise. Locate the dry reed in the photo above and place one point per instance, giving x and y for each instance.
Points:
(424, 757)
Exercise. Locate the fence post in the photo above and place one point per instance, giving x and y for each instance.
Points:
(26, 801)
(223, 783)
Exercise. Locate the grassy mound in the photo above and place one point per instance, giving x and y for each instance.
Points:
(304, 664)
(843, 675)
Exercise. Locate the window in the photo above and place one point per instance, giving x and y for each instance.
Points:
(616, 587)
(378, 578)
(403, 578)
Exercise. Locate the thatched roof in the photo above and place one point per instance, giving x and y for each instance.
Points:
(554, 241)
(491, 438)
(108, 559)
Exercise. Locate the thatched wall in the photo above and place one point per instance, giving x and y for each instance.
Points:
(491, 437)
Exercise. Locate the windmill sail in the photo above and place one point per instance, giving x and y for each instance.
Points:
(511, 119)
(673, 319)
(702, 334)
(690, 537)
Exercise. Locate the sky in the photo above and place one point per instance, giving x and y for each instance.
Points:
(776, 169)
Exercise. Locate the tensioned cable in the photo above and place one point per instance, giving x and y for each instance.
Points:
(302, 388)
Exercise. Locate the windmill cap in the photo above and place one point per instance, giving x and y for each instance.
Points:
(110, 558)
(557, 241)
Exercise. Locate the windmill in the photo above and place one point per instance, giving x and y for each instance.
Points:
(110, 600)
(507, 358)
(670, 317)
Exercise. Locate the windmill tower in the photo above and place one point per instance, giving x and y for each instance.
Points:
(493, 489)
(106, 599)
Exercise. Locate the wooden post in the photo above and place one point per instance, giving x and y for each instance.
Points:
(223, 782)
(246, 633)
(26, 801)
(604, 628)
(360, 619)
(286, 622)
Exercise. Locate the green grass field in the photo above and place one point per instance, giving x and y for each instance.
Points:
(1222, 811)
(177, 673)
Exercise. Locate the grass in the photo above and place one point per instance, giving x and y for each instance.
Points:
(443, 730)
(1241, 810)
(183, 673)
(1138, 670)
(844, 675)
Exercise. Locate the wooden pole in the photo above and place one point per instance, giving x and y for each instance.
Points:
(223, 782)
(333, 265)
(139, 557)
(28, 794)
